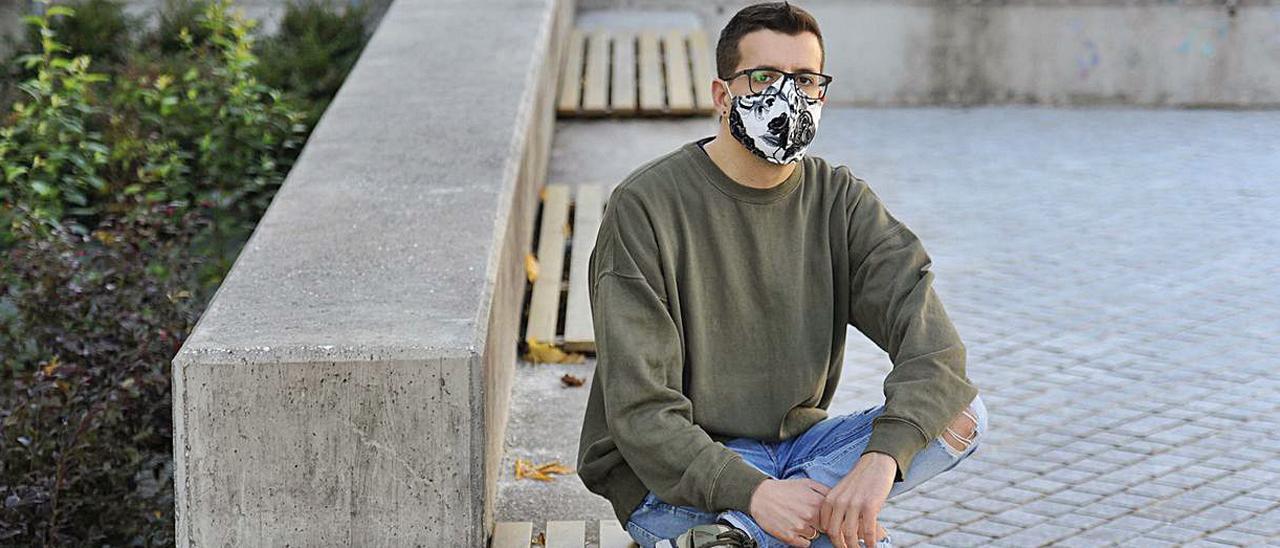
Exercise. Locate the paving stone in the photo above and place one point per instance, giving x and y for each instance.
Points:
(1039, 535)
(990, 528)
(895, 513)
(960, 539)
(1215, 518)
(982, 484)
(926, 526)
(957, 515)
(1103, 510)
(1238, 538)
(1042, 485)
(1018, 517)
(988, 505)
(1073, 498)
(1174, 533)
(922, 504)
(1251, 503)
(954, 493)
(1128, 500)
(1153, 490)
(1016, 494)
(1267, 524)
(1146, 543)
(1135, 523)
(1047, 509)
(907, 538)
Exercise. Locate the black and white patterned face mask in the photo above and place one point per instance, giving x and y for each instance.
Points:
(776, 124)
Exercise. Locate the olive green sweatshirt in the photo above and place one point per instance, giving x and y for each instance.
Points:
(720, 311)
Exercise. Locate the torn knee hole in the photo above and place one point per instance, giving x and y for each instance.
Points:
(961, 432)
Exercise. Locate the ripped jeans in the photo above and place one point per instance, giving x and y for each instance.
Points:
(825, 453)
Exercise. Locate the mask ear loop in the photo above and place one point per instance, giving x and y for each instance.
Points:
(731, 97)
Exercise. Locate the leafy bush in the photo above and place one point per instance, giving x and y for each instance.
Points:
(51, 158)
(88, 431)
(312, 51)
(99, 29)
(208, 134)
(126, 196)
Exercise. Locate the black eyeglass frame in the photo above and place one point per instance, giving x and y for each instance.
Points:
(792, 75)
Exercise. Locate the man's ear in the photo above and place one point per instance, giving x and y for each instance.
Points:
(719, 98)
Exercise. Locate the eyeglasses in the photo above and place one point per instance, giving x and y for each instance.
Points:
(811, 84)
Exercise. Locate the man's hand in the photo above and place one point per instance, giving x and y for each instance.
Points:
(850, 509)
(788, 509)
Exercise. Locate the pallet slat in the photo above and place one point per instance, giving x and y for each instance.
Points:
(645, 72)
(700, 56)
(566, 534)
(571, 74)
(512, 534)
(595, 84)
(612, 535)
(679, 87)
(544, 305)
(652, 97)
(624, 73)
(579, 334)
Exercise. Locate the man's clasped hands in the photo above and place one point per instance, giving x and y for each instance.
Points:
(796, 511)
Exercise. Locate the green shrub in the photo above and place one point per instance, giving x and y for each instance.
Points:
(89, 326)
(51, 157)
(99, 29)
(312, 51)
(208, 134)
(126, 196)
(174, 16)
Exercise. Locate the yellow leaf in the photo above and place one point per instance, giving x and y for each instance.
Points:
(568, 230)
(50, 367)
(524, 469)
(542, 194)
(540, 352)
(554, 467)
(531, 267)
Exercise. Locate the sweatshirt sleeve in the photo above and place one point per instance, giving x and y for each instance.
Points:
(893, 303)
(639, 361)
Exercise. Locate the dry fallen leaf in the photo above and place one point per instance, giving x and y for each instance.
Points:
(540, 352)
(569, 380)
(554, 467)
(526, 469)
(531, 267)
(567, 230)
(541, 539)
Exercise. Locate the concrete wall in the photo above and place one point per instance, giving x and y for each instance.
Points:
(348, 384)
(1175, 53)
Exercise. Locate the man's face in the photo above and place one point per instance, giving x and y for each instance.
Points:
(770, 48)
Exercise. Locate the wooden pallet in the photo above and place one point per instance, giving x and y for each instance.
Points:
(560, 534)
(636, 73)
(554, 298)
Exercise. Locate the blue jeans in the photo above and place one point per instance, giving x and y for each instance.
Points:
(825, 453)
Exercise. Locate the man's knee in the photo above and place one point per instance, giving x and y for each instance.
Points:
(962, 432)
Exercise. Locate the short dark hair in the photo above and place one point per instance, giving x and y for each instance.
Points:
(777, 16)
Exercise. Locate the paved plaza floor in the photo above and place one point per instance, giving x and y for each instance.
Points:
(1115, 275)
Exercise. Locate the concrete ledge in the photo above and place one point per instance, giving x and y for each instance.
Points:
(348, 384)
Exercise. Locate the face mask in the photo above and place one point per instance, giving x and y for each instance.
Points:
(775, 126)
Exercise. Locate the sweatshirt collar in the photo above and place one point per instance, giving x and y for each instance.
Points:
(734, 189)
